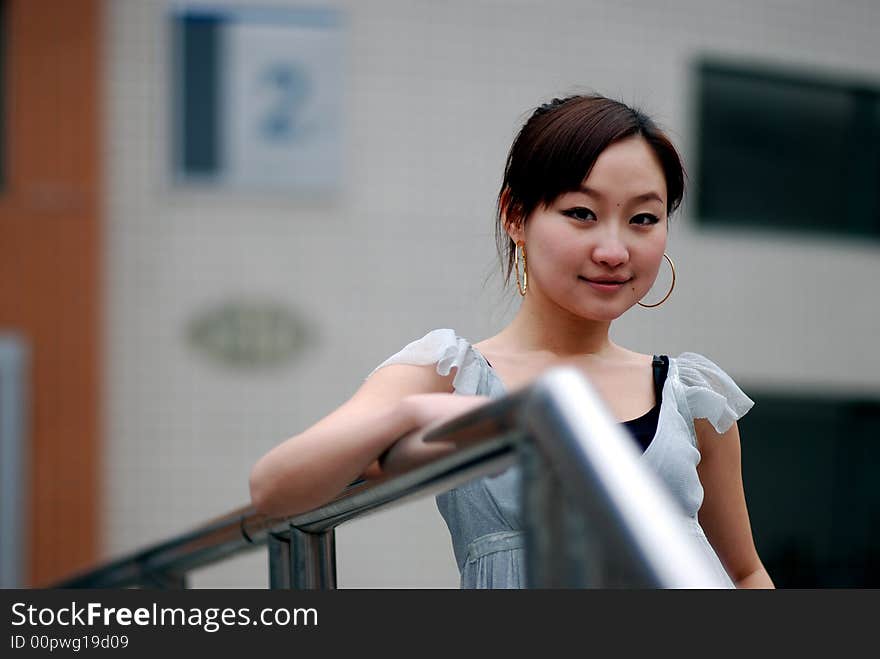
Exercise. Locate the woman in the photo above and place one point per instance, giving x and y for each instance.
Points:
(583, 215)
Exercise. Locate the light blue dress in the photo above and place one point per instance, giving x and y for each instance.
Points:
(483, 515)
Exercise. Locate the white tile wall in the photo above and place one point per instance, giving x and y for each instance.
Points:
(436, 92)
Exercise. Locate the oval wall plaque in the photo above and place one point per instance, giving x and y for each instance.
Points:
(249, 334)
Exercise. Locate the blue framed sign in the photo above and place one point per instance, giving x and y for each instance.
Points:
(258, 98)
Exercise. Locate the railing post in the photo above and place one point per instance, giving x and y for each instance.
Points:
(313, 560)
(559, 552)
(279, 562)
(619, 519)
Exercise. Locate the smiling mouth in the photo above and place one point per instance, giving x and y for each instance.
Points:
(605, 281)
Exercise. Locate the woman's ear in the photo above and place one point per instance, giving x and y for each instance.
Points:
(512, 227)
(517, 235)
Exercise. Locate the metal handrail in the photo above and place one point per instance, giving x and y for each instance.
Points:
(595, 516)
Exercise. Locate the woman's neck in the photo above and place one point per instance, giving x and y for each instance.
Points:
(563, 335)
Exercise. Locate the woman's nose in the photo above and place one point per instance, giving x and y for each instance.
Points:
(611, 252)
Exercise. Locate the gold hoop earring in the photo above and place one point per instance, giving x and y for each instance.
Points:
(525, 276)
(665, 297)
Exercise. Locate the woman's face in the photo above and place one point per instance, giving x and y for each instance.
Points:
(596, 252)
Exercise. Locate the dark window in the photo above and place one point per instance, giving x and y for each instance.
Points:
(787, 151)
(810, 473)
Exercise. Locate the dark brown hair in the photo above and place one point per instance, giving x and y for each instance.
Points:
(556, 149)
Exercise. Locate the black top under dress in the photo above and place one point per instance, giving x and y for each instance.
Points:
(644, 427)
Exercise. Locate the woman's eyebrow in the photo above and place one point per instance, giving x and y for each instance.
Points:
(648, 196)
(645, 196)
(593, 193)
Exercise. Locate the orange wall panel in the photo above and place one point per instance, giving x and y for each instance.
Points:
(50, 266)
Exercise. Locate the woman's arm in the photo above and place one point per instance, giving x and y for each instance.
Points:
(311, 468)
(723, 515)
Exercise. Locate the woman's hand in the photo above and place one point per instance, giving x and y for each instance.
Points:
(425, 412)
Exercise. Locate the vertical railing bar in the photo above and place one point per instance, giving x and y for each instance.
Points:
(279, 562)
(533, 506)
(312, 559)
(644, 537)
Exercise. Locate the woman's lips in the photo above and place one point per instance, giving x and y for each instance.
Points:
(605, 286)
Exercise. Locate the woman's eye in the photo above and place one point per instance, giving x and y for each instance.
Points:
(645, 219)
(580, 213)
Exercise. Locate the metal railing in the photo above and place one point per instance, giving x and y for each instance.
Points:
(594, 516)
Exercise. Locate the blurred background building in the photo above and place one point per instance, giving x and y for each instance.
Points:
(217, 218)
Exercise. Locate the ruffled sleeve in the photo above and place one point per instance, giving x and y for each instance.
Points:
(710, 392)
(448, 350)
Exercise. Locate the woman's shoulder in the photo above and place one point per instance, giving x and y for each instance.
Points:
(427, 349)
(695, 369)
(634, 358)
(709, 392)
(447, 350)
